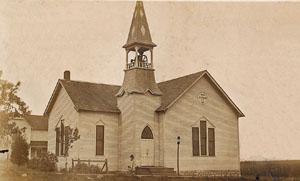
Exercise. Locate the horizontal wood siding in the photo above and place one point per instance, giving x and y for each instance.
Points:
(87, 131)
(187, 111)
(63, 107)
(126, 131)
(138, 111)
(37, 135)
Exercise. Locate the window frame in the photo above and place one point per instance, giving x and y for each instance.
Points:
(101, 152)
(57, 141)
(198, 141)
(62, 139)
(209, 125)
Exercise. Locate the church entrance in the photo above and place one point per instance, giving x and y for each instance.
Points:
(147, 147)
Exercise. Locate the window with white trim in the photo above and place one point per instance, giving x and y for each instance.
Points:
(203, 139)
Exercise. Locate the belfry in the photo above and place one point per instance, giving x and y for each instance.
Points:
(139, 71)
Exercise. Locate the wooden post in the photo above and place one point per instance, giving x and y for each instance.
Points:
(106, 165)
(151, 50)
(136, 56)
(72, 165)
(126, 65)
(178, 143)
(178, 159)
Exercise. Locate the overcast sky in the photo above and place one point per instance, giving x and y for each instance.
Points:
(251, 49)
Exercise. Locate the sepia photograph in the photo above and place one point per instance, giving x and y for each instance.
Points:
(149, 90)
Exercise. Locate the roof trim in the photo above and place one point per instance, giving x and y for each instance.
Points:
(52, 98)
(241, 114)
(54, 95)
(106, 111)
(69, 96)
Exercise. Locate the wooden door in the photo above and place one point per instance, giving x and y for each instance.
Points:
(147, 147)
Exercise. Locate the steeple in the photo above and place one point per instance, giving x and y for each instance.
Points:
(139, 40)
(139, 33)
(139, 72)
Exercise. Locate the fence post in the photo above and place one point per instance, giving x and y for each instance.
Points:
(106, 165)
(72, 165)
(78, 163)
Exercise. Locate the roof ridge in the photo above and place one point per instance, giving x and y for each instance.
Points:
(183, 76)
(81, 81)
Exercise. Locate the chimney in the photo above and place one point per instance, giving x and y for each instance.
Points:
(67, 75)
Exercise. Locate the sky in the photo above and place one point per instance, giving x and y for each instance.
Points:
(251, 49)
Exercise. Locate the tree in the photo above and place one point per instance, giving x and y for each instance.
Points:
(72, 135)
(11, 105)
(20, 147)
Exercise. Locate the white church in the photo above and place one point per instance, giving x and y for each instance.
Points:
(144, 118)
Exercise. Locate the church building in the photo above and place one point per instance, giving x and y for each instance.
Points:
(137, 125)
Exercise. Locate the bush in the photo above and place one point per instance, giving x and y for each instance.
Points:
(84, 168)
(46, 163)
(19, 153)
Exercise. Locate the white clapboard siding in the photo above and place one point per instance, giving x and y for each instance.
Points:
(62, 108)
(178, 121)
(137, 112)
(37, 135)
(87, 126)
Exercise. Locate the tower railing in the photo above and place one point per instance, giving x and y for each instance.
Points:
(145, 65)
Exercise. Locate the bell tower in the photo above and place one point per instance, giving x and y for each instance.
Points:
(139, 40)
(139, 97)
(139, 71)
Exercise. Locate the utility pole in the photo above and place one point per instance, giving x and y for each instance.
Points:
(178, 143)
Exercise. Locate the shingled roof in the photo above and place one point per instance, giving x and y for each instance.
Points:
(173, 88)
(96, 97)
(92, 96)
(37, 122)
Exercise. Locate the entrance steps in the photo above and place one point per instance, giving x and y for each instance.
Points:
(164, 171)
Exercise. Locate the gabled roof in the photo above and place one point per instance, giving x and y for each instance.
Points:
(175, 88)
(92, 96)
(139, 32)
(87, 96)
(37, 122)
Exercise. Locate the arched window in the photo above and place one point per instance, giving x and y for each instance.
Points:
(203, 136)
(147, 133)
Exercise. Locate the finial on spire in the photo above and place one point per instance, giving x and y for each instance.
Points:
(139, 33)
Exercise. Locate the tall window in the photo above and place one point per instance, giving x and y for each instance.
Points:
(203, 137)
(195, 135)
(206, 141)
(62, 135)
(57, 130)
(62, 139)
(211, 141)
(99, 140)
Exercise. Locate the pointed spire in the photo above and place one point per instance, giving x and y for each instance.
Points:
(139, 30)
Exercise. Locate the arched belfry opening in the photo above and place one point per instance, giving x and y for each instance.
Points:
(147, 133)
(138, 58)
